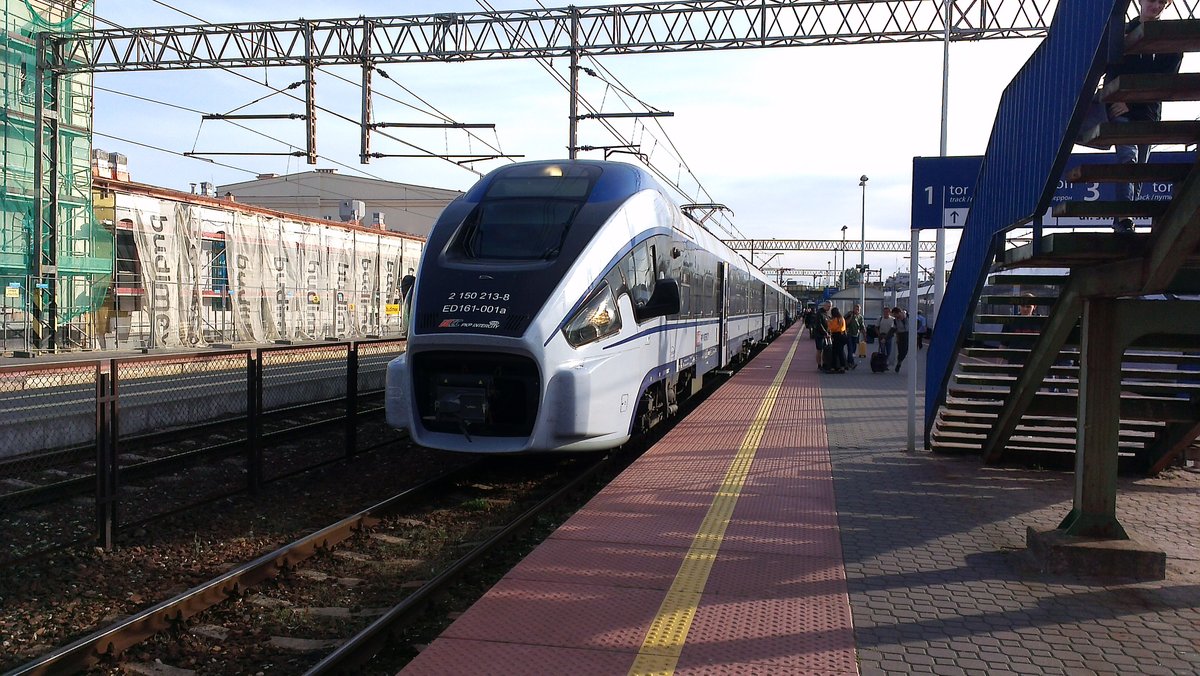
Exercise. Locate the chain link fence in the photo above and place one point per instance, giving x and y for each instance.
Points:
(46, 451)
(90, 447)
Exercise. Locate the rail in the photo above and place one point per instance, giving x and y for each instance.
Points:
(1039, 116)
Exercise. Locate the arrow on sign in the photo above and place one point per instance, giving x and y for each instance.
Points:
(954, 218)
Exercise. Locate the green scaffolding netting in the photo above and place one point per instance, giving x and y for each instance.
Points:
(83, 245)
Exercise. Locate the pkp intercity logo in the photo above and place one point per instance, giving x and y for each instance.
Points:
(463, 324)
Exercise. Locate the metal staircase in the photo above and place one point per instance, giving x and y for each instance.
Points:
(1107, 376)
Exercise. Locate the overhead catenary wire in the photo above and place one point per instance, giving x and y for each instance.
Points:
(435, 112)
(249, 129)
(728, 227)
(423, 151)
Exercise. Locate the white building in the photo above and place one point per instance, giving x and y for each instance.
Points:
(328, 195)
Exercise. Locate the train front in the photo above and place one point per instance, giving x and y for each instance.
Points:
(482, 368)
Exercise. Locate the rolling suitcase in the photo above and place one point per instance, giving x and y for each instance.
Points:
(878, 362)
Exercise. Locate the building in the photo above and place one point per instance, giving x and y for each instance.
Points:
(325, 194)
(51, 276)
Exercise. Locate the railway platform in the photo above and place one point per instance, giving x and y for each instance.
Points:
(783, 528)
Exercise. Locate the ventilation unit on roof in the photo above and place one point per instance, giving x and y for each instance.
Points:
(352, 210)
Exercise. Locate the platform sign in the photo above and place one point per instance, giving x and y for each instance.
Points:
(12, 292)
(943, 188)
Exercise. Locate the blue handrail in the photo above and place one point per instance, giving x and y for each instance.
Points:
(1037, 121)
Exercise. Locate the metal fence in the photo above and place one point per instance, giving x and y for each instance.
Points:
(90, 447)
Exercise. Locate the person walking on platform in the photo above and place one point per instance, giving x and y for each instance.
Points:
(837, 332)
(1164, 63)
(886, 330)
(819, 331)
(900, 321)
(855, 330)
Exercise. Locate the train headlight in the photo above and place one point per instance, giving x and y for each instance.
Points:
(596, 319)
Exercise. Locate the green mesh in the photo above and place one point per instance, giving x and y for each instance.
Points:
(84, 245)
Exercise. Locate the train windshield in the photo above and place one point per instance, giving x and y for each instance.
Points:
(526, 213)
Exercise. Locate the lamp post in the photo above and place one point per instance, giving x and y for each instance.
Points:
(828, 273)
(862, 251)
(842, 277)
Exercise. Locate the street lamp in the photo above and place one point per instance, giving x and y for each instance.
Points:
(843, 274)
(828, 272)
(862, 252)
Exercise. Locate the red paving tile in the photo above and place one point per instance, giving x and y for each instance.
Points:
(775, 598)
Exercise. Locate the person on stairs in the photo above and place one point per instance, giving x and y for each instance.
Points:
(1151, 111)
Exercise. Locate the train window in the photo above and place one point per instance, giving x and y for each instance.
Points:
(518, 229)
(544, 182)
(639, 275)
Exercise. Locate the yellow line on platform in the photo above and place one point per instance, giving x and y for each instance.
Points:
(664, 641)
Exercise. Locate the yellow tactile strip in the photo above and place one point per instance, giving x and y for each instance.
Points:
(665, 640)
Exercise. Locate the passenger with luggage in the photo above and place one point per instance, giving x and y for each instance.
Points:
(887, 329)
(855, 330)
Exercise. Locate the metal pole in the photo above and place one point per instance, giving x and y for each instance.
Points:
(914, 289)
(842, 273)
(862, 251)
(939, 264)
(572, 148)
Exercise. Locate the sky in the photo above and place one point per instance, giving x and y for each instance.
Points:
(781, 136)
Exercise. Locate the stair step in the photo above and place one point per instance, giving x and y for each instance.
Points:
(1068, 249)
(1065, 404)
(1065, 428)
(1152, 88)
(1110, 209)
(1057, 457)
(1026, 279)
(1028, 441)
(1013, 299)
(959, 417)
(1018, 339)
(1182, 35)
(1168, 172)
(1071, 372)
(1020, 355)
(1034, 320)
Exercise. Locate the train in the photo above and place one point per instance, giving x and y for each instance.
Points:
(566, 306)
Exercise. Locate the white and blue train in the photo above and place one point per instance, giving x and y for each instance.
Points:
(565, 306)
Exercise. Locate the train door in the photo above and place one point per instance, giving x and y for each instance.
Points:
(722, 314)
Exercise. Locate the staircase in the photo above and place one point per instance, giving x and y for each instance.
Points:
(1160, 388)
(1117, 334)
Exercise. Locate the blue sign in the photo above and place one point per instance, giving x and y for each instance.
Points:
(944, 186)
(14, 285)
(42, 285)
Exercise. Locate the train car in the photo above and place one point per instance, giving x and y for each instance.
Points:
(565, 306)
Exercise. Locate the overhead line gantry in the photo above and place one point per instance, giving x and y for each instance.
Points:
(572, 32)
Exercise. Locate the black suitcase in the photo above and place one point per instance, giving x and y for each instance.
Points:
(878, 362)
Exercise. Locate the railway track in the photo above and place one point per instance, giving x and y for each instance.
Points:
(265, 608)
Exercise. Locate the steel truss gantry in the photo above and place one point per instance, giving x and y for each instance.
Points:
(886, 246)
(639, 28)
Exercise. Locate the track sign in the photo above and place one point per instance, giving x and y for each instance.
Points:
(943, 188)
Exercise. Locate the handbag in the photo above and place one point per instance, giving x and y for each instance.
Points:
(1095, 114)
